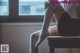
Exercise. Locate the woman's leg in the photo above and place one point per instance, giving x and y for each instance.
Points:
(53, 30)
(34, 37)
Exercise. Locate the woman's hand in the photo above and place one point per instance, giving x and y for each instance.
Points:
(42, 36)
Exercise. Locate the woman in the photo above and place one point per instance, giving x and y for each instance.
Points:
(62, 16)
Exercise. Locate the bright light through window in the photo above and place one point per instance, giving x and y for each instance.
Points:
(31, 7)
(4, 8)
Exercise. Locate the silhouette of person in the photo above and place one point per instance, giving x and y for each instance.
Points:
(67, 17)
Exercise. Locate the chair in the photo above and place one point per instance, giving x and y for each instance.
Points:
(63, 42)
(64, 22)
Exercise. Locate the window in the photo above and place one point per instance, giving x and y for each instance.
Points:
(4, 8)
(31, 7)
(22, 10)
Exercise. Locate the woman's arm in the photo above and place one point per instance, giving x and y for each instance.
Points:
(51, 8)
(47, 19)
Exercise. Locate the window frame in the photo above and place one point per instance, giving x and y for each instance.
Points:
(14, 16)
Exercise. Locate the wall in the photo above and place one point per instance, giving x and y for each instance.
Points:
(17, 36)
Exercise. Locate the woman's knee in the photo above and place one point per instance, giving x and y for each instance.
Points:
(35, 35)
(53, 30)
